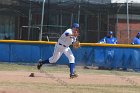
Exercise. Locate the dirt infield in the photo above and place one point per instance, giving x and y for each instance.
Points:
(20, 82)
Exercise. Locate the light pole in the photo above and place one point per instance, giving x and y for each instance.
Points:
(79, 7)
(30, 19)
(127, 20)
(117, 19)
(41, 27)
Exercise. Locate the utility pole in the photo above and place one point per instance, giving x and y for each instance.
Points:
(41, 27)
(127, 21)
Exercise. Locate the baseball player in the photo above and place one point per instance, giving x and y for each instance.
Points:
(62, 46)
(109, 52)
(136, 39)
(109, 38)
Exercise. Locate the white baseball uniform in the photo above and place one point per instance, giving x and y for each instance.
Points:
(62, 46)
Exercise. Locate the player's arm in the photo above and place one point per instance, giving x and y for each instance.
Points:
(73, 34)
(102, 40)
(133, 41)
(115, 40)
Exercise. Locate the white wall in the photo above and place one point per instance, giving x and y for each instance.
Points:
(124, 1)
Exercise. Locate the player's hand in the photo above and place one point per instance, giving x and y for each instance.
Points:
(102, 42)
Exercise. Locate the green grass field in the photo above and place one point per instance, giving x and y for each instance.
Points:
(62, 84)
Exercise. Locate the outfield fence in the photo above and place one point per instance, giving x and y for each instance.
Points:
(107, 55)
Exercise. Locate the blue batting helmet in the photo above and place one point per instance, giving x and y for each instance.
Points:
(110, 32)
(75, 25)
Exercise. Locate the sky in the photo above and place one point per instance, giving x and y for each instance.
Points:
(124, 1)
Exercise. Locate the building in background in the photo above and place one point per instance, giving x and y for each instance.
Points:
(21, 19)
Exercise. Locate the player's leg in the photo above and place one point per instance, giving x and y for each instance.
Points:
(56, 55)
(71, 58)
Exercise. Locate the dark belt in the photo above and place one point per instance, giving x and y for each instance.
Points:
(62, 45)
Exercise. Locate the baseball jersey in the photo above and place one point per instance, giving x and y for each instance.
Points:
(65, 39)
(109, 40)
(135, 40)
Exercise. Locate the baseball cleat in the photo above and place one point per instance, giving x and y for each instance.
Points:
(39, 64)
(73, 76)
